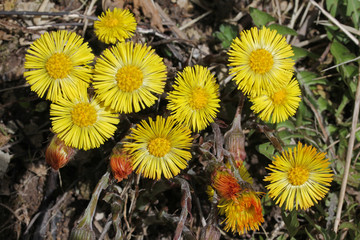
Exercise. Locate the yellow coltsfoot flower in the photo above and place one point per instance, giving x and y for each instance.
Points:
(127, 76)
(59, 65)
(278, 105)
(195, 98)
(82, 123)
(260, 60)
(115, 25)
(299, 177)
(243, 213)
(160, 147)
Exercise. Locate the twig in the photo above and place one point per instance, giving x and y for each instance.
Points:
(294, 17)
(188, 24)
(350, 29)
(88, 13)
(37, 19)
(16, 87)
(172, 25)
(302, 20)
(31, 13)
(337, 65)
(45, 26)
(185, 207)
(336, 22)
(219, 141)
(348, 156)
(278, 11)
(12, 211)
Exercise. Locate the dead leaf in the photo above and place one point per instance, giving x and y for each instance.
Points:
(110, 4)
(150, 11)
(4, 162)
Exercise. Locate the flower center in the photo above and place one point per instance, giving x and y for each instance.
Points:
(298, 176)
(261, 61)
(111, 22)
(198, 99)
(58, 66)
(159, 147)
(129, 78)
(279, 97)
(83, 115)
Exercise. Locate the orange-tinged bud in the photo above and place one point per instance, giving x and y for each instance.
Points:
(225, 184)
(120, 163)
(235, 140)
(57, 154)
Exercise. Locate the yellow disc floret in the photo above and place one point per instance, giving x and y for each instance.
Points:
(261, 61)
(83, 115)
(159, 147)
(298, 176)
(129, 78)
(58, 66)
(279, 97)
(111, 22)
(199, 99)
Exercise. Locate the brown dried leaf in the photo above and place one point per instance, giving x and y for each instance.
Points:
(109, 4)
(151, 12)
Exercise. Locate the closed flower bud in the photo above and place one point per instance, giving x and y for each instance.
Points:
(82, 233)
(57, 154)
(235, 140)
(120, 163)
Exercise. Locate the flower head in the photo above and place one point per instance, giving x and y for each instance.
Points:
(194, 100)
(59, 65)
(128, 75)
(116, 25)
(57, 154)
(225, 184)
(82, 123)
(242, 214)
(159, 147)
(120, 163)
(260, 60)
(299, 177)
(277, 106)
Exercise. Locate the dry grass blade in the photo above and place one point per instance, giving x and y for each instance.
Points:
(348, 156)
(336, 22)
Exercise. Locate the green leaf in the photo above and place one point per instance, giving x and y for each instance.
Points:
(260, 18)
(283, 30)
(267, 149)
(339, 111)
(309, 78)
(286, 124)
(291, 222)
(226, 34)
(322, 104)
(342, 54)
(41, 106)
(299, 53)
(333, 33)
(309, 235)
(348, 225)
(353, 11)
(332, 6)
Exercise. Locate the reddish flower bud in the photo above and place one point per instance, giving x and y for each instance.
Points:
(57, 154)
(120, 163)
